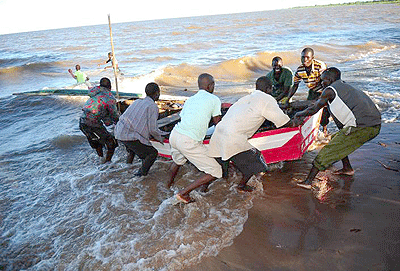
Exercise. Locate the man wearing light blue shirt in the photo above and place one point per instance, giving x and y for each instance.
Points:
(187, 137)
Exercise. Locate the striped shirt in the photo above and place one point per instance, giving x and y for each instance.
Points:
(312, 81)
(139, 122)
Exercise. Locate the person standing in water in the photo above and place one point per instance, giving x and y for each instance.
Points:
(137, 125)
(111, 59)
(99, 110)
(229, 141)
(78, 75)
(187, 137)
(354, 113)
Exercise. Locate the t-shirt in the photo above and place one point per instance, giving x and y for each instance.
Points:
(285, 80)
(80, 76)
(241, 122)
(312, 80)
(197, 113)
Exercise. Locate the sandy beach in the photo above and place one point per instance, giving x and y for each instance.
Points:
(356, 228)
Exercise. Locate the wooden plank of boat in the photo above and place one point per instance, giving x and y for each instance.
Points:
(74, 92)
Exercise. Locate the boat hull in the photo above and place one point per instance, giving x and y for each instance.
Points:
(276, 145)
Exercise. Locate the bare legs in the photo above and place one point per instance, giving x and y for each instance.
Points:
(183, 195)
(173, 171)
(347, 169)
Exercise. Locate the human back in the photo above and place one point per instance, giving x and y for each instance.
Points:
(199, 109)
(352, 107)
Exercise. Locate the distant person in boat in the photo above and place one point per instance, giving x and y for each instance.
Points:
(186, 138)
(354, 113)
(99, 110)
(281, 78)
(80, 76)
(230, 138)
(110, 60)
(310, 72)
(137, 125)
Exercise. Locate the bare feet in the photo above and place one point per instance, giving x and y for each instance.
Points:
(184, 198)
(304, 184)
(348, 172)
(245, 188)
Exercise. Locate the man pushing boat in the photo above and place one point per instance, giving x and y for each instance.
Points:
(230, 138)
(354, 113)
(187, 136)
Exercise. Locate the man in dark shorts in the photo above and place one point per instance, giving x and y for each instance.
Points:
(229, 141)
(354, 113)
(99, 110)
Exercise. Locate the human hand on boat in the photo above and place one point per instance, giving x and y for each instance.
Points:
(297, 119)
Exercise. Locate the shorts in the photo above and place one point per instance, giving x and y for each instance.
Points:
(184, 148)
(343, 143)
(249, 163)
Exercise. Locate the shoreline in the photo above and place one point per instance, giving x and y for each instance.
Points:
(288, 229)
(355, 3)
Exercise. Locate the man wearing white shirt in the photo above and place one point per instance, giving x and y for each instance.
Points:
(230, 138)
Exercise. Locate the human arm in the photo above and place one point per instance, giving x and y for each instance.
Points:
(292, 91)
(154, 131)
(71, 73)
(285, 92)
(216, 119)
(327, 96)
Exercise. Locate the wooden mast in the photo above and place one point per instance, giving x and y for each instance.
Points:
(113, 57)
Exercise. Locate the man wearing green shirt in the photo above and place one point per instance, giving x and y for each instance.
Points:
(281, 78)
(80, 76)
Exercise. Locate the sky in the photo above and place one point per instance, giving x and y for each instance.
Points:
(32, 15)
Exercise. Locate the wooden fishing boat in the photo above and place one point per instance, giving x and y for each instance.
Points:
(276, 145)
(74, 92)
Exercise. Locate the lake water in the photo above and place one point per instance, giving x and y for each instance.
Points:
(61, 209)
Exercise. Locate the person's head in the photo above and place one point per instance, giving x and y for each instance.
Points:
(105, 82)
(206, 82)
(277, 64)
(109, 55)
(307, 55)
(264, 84)
(330, 75)
(77, 67)
(153, 91)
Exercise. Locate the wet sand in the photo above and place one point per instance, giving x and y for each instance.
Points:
(355, 228)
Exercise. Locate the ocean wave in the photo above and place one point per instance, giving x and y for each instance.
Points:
(102, 217)
(25, 65)
(67, 141)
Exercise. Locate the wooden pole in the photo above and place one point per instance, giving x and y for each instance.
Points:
(113, 57)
